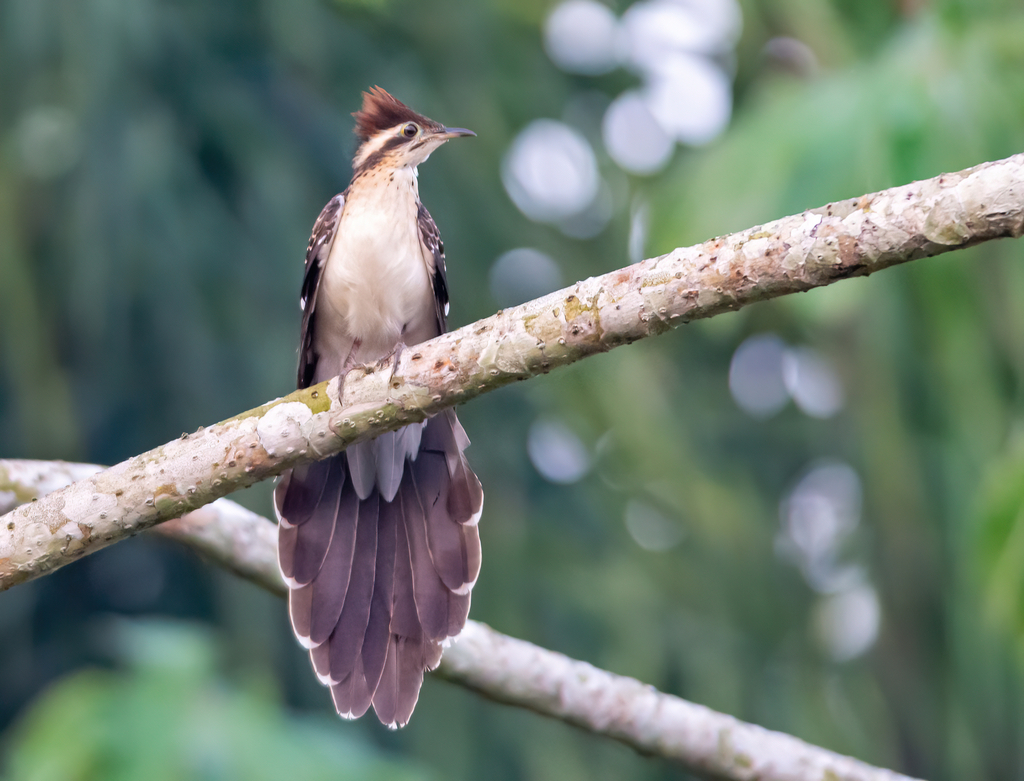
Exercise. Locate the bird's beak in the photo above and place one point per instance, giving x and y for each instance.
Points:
(455, 132)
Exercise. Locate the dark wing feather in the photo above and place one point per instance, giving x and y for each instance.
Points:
(431, 238)
(325, 230)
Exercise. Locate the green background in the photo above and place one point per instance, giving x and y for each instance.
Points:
(161, 164)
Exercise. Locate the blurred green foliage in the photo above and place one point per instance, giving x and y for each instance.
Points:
(160, 167)
(169, 716)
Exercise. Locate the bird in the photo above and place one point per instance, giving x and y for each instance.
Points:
(379, 544)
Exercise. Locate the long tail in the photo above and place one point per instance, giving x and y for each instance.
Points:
(380, 549)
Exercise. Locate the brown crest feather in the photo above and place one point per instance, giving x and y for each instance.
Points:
(381, 111)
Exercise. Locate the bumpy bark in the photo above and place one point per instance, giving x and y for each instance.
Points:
(850, 238)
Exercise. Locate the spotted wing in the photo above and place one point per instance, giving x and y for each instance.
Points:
(319, 249)
(431, 238)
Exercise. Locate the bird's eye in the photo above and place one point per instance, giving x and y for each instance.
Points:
(410, 130)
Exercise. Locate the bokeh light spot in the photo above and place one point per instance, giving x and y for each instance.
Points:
(523, 274)
(818, 515)
(812, 382)
(550, 172)
(650, 529)
(690, 97)
(846, 624)
(755, 376)
(556, 452)
(580, 37)
(633, 137)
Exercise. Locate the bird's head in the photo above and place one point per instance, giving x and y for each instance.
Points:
(392, 135)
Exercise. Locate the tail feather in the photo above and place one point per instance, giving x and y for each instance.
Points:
(347, 638)
(390, 462)
(378, 628)
(399, 688)
(410, 652)
(411, 663)
(447, 437)
(430, 652)
(465, 497)
(433, 598)
(446, 492)
(405, 620)
(331, 584)
(362, 466)
(302, 547)
(378, 585)
(352, 697)
(320, 656)
(392, 696)
(386, 698)
(300, 491)
(300, 611)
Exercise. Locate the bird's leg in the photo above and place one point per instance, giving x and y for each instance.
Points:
(350, 359)
(394, 356)
(350, 362)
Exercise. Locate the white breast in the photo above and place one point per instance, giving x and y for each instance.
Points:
(376, 286)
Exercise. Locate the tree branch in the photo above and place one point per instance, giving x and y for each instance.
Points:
(710, 744)
(840, 240)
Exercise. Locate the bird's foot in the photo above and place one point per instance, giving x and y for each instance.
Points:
(394, 357)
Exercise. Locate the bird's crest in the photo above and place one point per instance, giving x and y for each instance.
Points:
(381, 111)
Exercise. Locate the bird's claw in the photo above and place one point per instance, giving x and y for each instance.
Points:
(394, 356)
